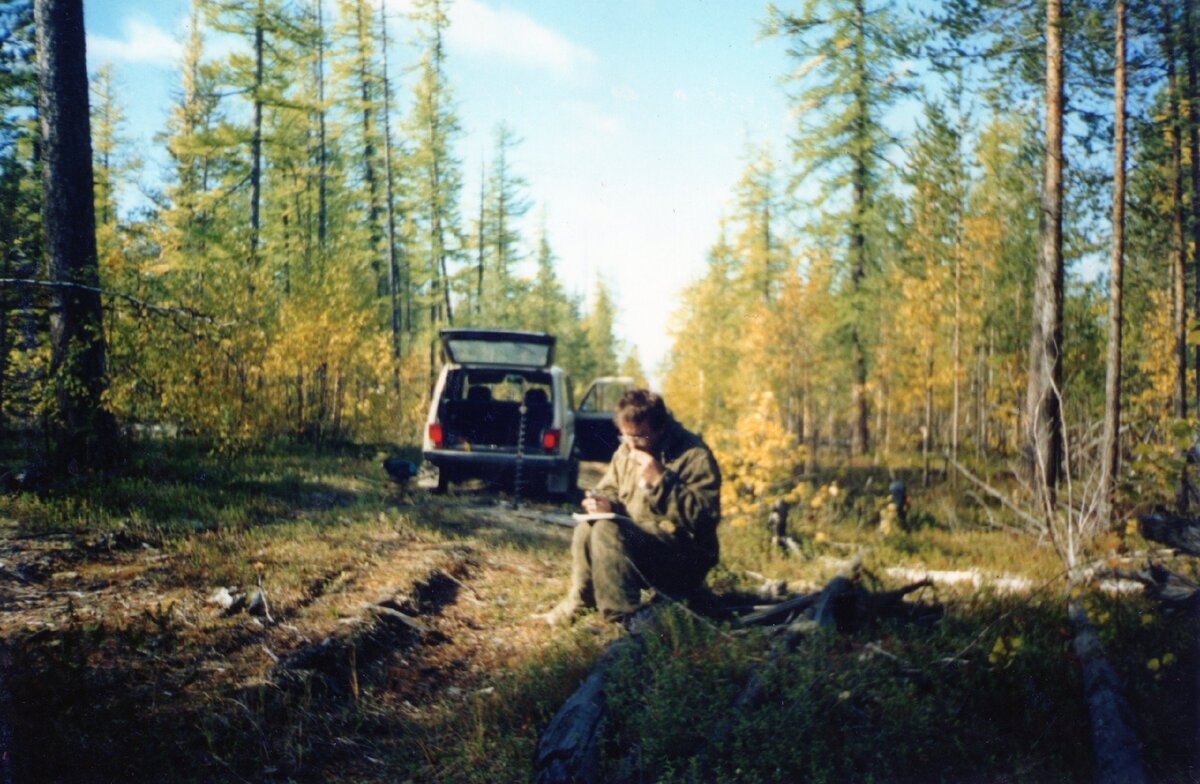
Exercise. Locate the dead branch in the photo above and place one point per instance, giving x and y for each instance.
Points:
(1001, 497)
(140, 304)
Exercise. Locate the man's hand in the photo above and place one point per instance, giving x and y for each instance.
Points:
(651, 469)
(593, 504)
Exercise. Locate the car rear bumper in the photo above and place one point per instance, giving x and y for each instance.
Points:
(483, 464)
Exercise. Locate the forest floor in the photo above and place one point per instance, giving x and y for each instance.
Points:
(298, 617)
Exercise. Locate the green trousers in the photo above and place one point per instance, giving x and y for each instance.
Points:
(612, 562)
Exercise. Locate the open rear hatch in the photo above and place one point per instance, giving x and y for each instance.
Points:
(498, 347)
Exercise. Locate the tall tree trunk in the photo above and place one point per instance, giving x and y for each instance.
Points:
(480, 250)
(1190, 55)
(322, 140)
(7, 305)
(808, 426)
(1178, 249)
(393, 273)
(256, 142)
(859, 438)
(368, 134)
(1043, 404)
(83, 432)
(1112, 377)
(956, 348)
(927, 427)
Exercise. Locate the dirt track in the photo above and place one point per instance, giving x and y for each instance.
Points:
(121, 635)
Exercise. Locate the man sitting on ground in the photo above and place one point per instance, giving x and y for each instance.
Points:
(665, 487)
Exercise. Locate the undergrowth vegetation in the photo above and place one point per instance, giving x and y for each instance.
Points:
(122, 670)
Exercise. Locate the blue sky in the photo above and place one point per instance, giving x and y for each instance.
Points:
(635, 117)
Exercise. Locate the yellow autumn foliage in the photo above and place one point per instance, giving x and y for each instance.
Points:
(759, 460)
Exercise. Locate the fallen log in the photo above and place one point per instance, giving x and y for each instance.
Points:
(1114, 743)
(778, 613)
(567, 749)
(841, 605)
(1173, 590)
(1178, 532)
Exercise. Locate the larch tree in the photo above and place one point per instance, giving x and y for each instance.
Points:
(360, 79)
(548, 307)
(758, 215)
(1191, 29)
(437, 176)
(1001, 238)
(598, 325)
(1110, 448)
(507, 204)
(1043, 401)
(930, 309)
(109, 166)
(394, 254)
(703, 381)
(21, 326)
(249, 18)
(84, 432)
(1178, 249)
(848, 73)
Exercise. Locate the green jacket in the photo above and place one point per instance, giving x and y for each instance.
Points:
(684, 508)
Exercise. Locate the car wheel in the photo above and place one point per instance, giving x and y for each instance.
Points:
(443, 482)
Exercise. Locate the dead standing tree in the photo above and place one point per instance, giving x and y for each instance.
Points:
(84, 433)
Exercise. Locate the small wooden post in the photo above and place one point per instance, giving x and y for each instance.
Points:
(777, 524)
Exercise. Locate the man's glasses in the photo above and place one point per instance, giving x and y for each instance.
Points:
(637, 440)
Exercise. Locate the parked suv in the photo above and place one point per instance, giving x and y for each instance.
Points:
(502, 411)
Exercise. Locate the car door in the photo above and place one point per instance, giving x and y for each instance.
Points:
(595, 432)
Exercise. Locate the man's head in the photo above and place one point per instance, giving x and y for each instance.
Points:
(641, 418)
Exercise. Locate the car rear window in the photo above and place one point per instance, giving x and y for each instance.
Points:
(482, 384)
(499, 352)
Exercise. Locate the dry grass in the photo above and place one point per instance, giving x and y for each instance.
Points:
(120, 668)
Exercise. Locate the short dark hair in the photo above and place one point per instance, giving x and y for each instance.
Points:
(641, 406)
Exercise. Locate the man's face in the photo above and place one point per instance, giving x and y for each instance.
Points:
(641, 437)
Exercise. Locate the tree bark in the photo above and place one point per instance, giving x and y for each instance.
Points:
(256, 144)
(859, 437)
(1043, 404)
(393, 272)
(363, 21)
(1190, 56)
(83, 432)
(322, 141)
(1111, 456)
(808, 427)
(1178, 250)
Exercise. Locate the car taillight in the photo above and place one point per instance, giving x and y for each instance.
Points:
(550, 440)
(435, 434)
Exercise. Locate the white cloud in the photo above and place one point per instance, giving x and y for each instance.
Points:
(482, 30)
(143, 42)
(593, 123)
(625, 94)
